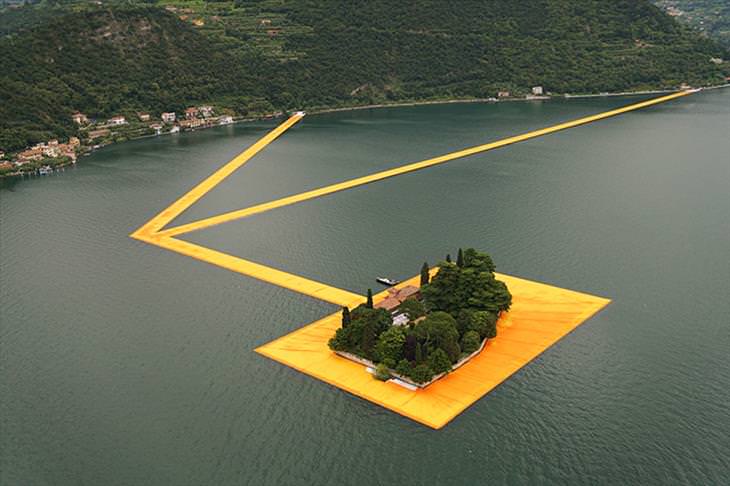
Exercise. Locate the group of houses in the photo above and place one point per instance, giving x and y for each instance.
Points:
(194, 117)
(395, 298)
(51, 149)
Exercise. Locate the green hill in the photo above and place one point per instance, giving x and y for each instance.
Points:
(257, 56)
(710, 17)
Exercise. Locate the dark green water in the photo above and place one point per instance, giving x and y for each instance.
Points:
(122, 363)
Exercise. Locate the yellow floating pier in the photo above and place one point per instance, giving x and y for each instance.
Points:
(341, 186)
(540, 314)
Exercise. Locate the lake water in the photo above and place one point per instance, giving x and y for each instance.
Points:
(123, 363)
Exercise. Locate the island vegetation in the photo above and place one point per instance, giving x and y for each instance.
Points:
(255, 58)
(440, 324)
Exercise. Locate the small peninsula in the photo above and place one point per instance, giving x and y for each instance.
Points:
(417, 335)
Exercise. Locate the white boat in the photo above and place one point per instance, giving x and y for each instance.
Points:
(387, 281)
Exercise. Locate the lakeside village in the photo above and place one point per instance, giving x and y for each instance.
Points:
(46, 157)
(417, 335)
(43, 158)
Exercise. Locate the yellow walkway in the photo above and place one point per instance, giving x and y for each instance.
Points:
(177, 208)
(341, 186)
(540, 315)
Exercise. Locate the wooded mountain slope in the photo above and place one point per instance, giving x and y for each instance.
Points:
(255, 56)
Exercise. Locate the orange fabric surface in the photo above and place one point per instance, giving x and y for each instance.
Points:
(541, 314)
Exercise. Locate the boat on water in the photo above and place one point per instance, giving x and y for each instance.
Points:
(387, 281)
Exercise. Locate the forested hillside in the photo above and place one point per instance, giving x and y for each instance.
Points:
(710, 17)
(257, 56)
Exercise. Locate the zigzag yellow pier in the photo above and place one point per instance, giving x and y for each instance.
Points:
(341, 186)
(540, 316)
(273, 276)
(175, 209)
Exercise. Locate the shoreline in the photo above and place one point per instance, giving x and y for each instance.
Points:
(323, 110)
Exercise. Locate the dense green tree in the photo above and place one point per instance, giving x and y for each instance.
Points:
(346, 319)
(438, 331)
(419, 353)
(403, 367)
(439, 361)
(421, 373)
(390, 344)
(472, 286)
(360, 336)
(413, 307)
(425, 277)
(410, 347)
(369, 302)
(470, 342)
(484, 323)
(460, 258)
(448, 258)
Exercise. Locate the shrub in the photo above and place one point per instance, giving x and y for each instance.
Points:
(421, 373)
(390, 344)
(485, 323)
(403, 368)
(382, 373)
(470, 342)
(439, 361)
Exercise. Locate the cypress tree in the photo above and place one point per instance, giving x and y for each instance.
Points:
(346, 319)
(369, 303)
(425, 277)
(419, 353)
(448, 258)
(460, 258)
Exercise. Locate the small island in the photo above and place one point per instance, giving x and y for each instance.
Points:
(417, 335)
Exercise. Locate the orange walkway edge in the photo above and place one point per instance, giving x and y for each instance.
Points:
(540, 316)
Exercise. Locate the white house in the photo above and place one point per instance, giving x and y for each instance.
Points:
(225, 120)
(168, 117)
(537, 90)
(117, 120)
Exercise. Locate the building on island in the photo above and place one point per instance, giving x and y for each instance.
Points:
(397, 296)
(191, 113)
(503, 94)
(225, 120)
(175, 129)
(537, 90)
(157, 127)
(79, 118)
(168, 117)
(144, 116)
(206, 111)
(117, 120)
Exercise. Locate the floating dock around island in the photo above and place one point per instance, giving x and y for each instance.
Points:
(540, 315)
